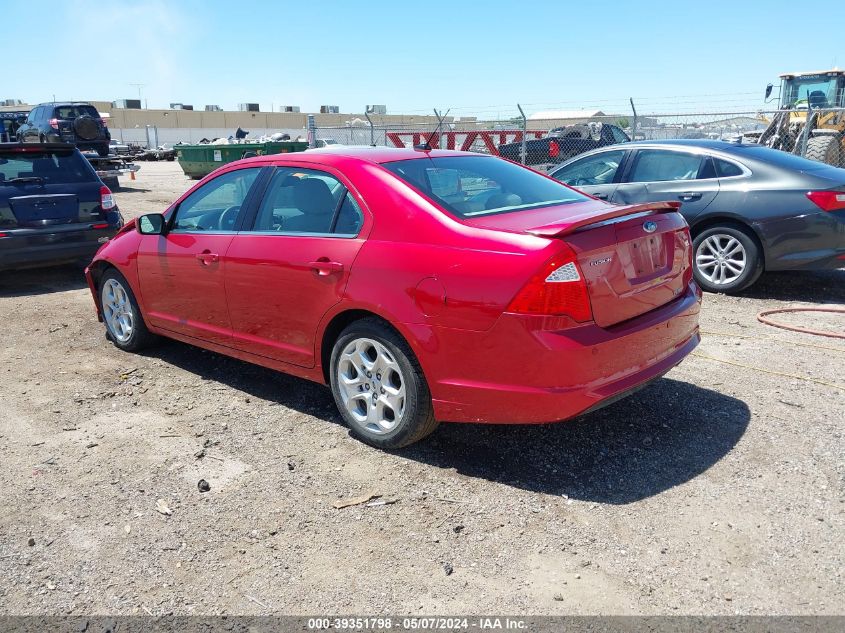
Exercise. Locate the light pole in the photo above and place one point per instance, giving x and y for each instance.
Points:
(139, 86)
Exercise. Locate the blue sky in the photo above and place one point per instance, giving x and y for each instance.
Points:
(479, 57)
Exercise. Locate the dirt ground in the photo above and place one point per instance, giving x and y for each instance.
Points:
(718, 490)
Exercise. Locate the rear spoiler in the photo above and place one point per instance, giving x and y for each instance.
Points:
(575, 222)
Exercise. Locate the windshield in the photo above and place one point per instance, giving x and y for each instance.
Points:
(819, 90)
(47, 167)
(470, 186)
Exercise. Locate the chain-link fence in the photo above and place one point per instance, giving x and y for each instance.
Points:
(543, 143)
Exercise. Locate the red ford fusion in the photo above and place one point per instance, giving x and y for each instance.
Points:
(421, 286)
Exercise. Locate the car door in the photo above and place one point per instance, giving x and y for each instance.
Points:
(659, 174)
(28, 131)
(181, 272)
(595, 174)
(292, 265)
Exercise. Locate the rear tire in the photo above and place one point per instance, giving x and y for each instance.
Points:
(825, 149)
(726, 259)
(125, 326)
(379, 387)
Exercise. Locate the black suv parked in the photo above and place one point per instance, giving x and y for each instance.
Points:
(77, 123)
(53, 208)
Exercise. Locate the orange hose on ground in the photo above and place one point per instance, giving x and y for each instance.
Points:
(794, 328)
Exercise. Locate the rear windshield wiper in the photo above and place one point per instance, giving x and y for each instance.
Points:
(26, 179)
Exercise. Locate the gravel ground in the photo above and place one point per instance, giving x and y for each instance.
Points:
(718, 490)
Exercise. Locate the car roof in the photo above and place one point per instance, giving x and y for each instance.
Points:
(345, 153)
(65, 103)
(37, 147)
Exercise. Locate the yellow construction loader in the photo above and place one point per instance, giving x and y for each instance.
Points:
(811, 117)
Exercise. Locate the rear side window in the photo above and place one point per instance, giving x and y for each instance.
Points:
(469, 186)
(726, 169)
(47, 167)
(72, 112)
(308, 201)
(657, 165)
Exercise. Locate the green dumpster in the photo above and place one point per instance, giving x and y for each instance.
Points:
(198, 161)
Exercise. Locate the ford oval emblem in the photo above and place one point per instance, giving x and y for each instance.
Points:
(650, 227)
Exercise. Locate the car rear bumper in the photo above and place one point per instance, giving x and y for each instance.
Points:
(42, 248)
(522, 372)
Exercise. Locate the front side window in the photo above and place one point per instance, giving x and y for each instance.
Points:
(657, 165)
(215, 205)
(599, 169)
(469, 186)
(308, 201)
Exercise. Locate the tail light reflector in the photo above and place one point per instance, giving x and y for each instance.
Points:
(104, 122)
(54, 123)
(107, 202)
(102, 225)
(828, 200)
(557, 289)
(3, 234)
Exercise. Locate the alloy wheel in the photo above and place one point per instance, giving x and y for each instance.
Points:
(371, 384)
(721, 259)
(117, 310)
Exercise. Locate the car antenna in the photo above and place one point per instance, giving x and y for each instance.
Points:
(426, 147)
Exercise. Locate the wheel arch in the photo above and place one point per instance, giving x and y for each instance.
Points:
(727, 219)
(336, 323)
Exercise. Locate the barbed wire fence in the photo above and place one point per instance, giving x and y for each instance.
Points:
(546, 139)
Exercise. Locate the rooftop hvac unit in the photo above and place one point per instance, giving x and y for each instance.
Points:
(17, 102)
(290, 108)
(128, 104)
(329, 109)
(248, 107)
(377, 109)
(213, 108)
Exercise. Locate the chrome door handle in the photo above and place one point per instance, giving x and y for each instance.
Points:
(689, 195)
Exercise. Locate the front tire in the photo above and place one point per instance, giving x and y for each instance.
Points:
(379, 387)
(124, 324)
(726, 259)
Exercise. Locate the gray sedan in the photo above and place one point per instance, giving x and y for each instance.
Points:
(749, 208)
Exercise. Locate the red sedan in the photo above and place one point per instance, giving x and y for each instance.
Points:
(420, 285)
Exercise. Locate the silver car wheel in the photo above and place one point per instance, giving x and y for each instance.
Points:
(117, 310)
(371, 385)
(721, 259)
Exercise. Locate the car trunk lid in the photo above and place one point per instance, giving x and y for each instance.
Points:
(633, 258)
(45, 209)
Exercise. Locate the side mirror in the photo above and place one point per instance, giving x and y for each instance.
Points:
(151, 224)
(768, 91)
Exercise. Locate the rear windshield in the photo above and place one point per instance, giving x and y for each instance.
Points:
(50, 167)
(71, 112)
(470, 186)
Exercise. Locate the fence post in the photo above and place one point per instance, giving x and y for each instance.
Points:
(634, 122)
(524, 134)
(312, 131)
(439, 123)
(367, 110)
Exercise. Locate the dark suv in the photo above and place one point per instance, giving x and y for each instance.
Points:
(76, 123)
(53, 207)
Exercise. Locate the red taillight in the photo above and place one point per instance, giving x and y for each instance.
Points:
(4, 235)
(687, 241)
(558, 289)
(54, 123)
(104, 122)
(106, 199)
(102, 225)
(554, 149)
(828, 200)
